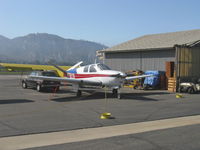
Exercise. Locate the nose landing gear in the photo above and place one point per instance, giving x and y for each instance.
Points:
(116, 93)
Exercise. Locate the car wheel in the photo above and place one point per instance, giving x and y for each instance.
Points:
(38, 88)
(24, 85)
(191, 90)
(79, 93)
(180, 89)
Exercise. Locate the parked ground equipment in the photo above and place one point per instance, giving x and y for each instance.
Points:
(190, 87)
(136, 83)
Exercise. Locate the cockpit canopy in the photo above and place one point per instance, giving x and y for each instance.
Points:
(95, 68)
(103, 67)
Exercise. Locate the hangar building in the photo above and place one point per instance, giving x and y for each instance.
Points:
(151, 52)
(176, 53)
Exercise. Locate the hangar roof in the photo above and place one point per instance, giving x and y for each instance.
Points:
(157, 41)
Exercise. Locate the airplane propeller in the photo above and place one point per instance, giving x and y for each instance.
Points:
(119, 75)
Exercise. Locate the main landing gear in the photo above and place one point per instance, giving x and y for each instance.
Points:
(116, 93)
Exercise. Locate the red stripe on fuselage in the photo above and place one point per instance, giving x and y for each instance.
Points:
(77, 76)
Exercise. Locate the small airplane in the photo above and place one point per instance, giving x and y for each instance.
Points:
(93, 75)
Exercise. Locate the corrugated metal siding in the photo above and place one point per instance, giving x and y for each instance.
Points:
(143, 60)
(155, 60)
(188, 61)
(123, 61)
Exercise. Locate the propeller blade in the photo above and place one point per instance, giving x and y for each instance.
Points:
(119, 75)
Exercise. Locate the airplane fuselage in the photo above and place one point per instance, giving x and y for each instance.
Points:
(97, 72)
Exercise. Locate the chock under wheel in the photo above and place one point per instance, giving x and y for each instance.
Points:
(105, 115)
(179, 96)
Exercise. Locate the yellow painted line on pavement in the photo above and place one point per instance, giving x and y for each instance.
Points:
(55, 138)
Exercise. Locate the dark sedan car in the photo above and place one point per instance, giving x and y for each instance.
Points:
(39, 84)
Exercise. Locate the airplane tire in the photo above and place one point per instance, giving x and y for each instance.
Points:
(115, 92)
(119, 96)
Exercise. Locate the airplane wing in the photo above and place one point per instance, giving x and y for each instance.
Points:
(69, 80)
(138, 77)
(64, 71)
(30, 67)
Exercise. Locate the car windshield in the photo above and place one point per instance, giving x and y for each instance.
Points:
(103, 67)
(50, 74)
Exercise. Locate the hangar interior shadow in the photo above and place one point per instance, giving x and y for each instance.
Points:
(15, 101)
(101, 95)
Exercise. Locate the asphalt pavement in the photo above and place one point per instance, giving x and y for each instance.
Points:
(26, 111)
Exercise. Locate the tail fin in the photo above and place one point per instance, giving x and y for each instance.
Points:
(76, 65)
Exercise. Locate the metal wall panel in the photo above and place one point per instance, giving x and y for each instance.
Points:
(123, 61)
(155, 60)
(142, 60)
(188, 61)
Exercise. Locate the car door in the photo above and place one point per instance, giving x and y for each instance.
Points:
(30, 80)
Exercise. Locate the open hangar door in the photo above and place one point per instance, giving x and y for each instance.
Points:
(187, 62)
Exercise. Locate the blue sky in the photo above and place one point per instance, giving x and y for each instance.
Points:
(109, 22)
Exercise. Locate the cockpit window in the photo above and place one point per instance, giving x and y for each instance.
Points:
(92, 68)
(85, 69)
(103, 67)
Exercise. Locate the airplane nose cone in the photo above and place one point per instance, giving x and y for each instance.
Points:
(123, 75)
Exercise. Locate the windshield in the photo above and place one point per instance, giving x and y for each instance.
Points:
(92, 68)
(103, 67)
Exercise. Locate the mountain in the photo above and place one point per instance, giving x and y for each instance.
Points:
(40, 48)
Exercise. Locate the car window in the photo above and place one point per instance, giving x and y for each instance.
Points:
(92, 68)
(85, 69)
(32, 74)
(49, 74)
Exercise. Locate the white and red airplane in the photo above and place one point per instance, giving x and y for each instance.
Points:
(93, 75)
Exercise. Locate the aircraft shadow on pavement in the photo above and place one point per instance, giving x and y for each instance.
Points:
(53, 91)
(15, 101)
(101, 95)
(142, 96)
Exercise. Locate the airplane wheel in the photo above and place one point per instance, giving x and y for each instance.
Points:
(119, 96)
(79, 93)
(115, 92)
